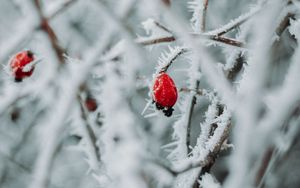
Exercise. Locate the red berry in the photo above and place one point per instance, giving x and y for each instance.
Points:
(91, 104)
(164, 93)
(18, 62)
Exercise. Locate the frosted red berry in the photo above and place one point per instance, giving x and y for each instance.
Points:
(18, 62)
(164, 93)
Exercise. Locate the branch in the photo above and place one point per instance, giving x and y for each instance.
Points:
(55, 122)
(198, 92)
(189, 164)
(216, 38)
(90, 137)
(66, 4)
(234, 23)
(190, 112)
(179, 53)
(30, 28)
(284, 23)
(203, 25)
(45, 26)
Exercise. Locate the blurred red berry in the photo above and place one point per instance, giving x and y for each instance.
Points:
(167, 2)
(91, 104)
(18, 62)
(164, 93)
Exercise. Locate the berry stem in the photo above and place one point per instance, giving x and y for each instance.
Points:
(179, 53)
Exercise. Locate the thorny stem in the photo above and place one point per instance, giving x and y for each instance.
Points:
(237, 24)
(209, 160)
(214, 154)
(166, 67)
(232, 73)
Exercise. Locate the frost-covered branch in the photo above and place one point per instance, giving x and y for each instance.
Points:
(93, 150)
(213, 38)
(45, 26)
(58, 9)
(55, 123)
(204, 13)
(236, 22)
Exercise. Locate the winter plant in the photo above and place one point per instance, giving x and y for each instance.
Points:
(149, 93)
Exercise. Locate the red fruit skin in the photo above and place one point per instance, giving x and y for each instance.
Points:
(91, 104)
(18, 62)
(164, 90)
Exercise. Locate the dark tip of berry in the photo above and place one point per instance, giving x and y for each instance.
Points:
(168, 112)
(158, 106)
(18, 79)
(29, 53)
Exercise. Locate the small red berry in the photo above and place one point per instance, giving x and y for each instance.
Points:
(164, 93)
(91, 104)
(18, 62)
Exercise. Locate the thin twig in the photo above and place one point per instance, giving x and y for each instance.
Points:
(198, 92)
(224, 40)
(21, 169)
(17, 41)
(234, 23)
(89, 134)
(209, 160)
(284, 23)
(203, 25)
(45, 26)
(190, 113)
(62, 8)
(166, 67)
(162, 27)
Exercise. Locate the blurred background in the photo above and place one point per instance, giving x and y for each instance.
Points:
(78, 122)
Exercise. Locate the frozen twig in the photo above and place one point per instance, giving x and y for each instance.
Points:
(235, 23)
(28, 27)
(250, 93)
(173, 58)
(214, 38)
(65, 5)
(198, 92)
(45, 26)
(55, 124)
(204, 13)
(190, 113)
(93, 150)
